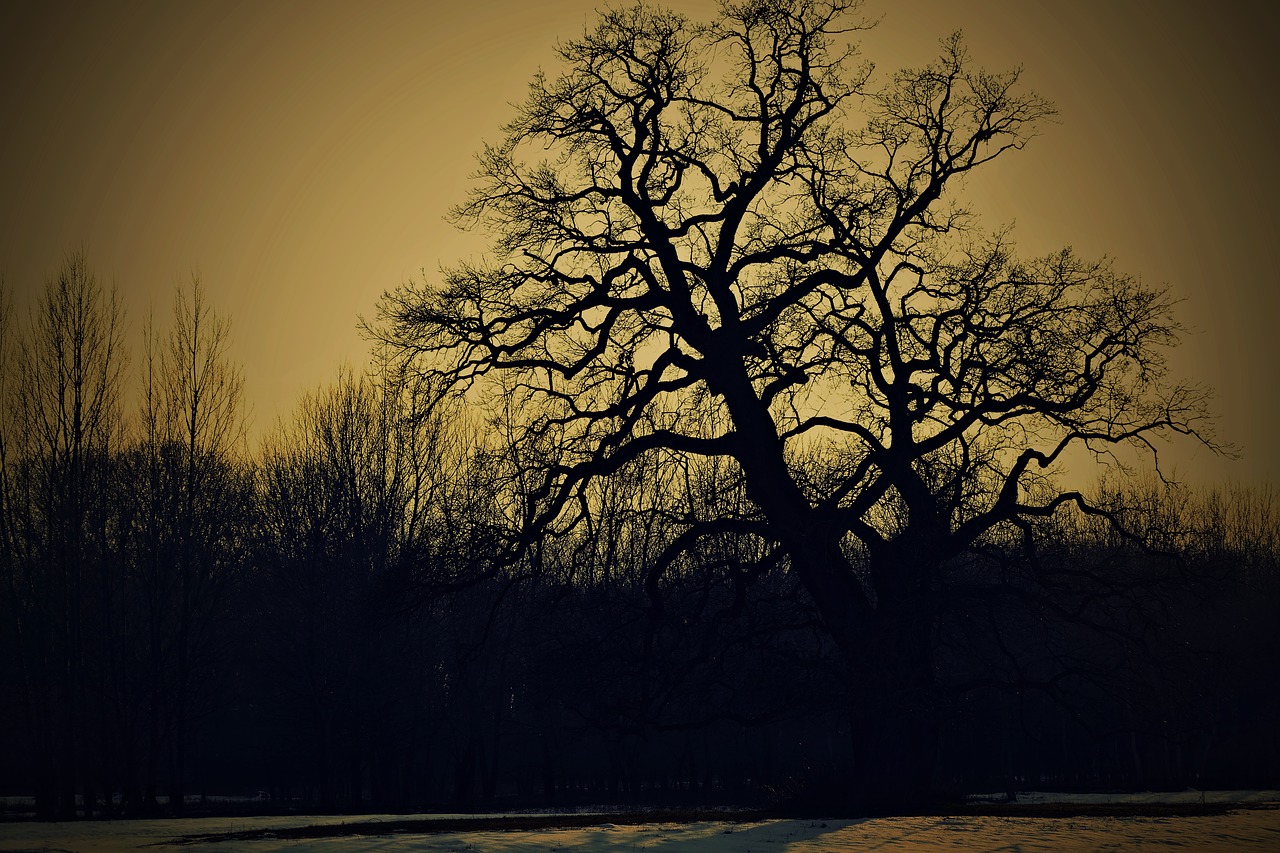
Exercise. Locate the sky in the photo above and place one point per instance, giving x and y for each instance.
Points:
(301, 157)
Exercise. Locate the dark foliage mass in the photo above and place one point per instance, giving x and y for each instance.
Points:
(333, 622)
(732, 476)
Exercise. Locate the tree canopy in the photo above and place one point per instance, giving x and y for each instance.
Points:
(736, 241)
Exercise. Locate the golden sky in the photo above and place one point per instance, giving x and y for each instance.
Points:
(302, 155)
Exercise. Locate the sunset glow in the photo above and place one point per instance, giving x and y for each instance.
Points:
(302, 157)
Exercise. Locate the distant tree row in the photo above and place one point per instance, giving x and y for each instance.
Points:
(122, 532)
(334, 619)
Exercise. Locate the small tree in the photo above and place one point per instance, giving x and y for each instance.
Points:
(355, 496)
(727, 240)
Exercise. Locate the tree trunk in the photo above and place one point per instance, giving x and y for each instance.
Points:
(893, 716)
(888, 643)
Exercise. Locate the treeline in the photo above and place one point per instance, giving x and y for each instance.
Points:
(335, 619)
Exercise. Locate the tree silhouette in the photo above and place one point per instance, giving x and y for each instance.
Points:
(61, 425)
(190, 490)
(729, 241)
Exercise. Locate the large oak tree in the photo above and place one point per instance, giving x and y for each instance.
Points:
(735, 241)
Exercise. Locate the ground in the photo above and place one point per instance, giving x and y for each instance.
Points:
(1252, 824)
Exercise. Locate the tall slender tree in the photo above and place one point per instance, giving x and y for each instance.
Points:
(194, 489)
(64, 424)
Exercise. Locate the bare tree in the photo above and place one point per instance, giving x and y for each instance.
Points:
(728, 240)
(64, 422)
(192, 489)
(356, 513)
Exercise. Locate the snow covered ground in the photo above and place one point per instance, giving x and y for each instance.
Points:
(1190, 795)
(1247, 829)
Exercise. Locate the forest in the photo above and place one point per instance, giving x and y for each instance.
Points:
(746, 468)
(325, 622)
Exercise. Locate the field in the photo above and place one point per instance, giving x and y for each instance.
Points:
(1249, 821)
